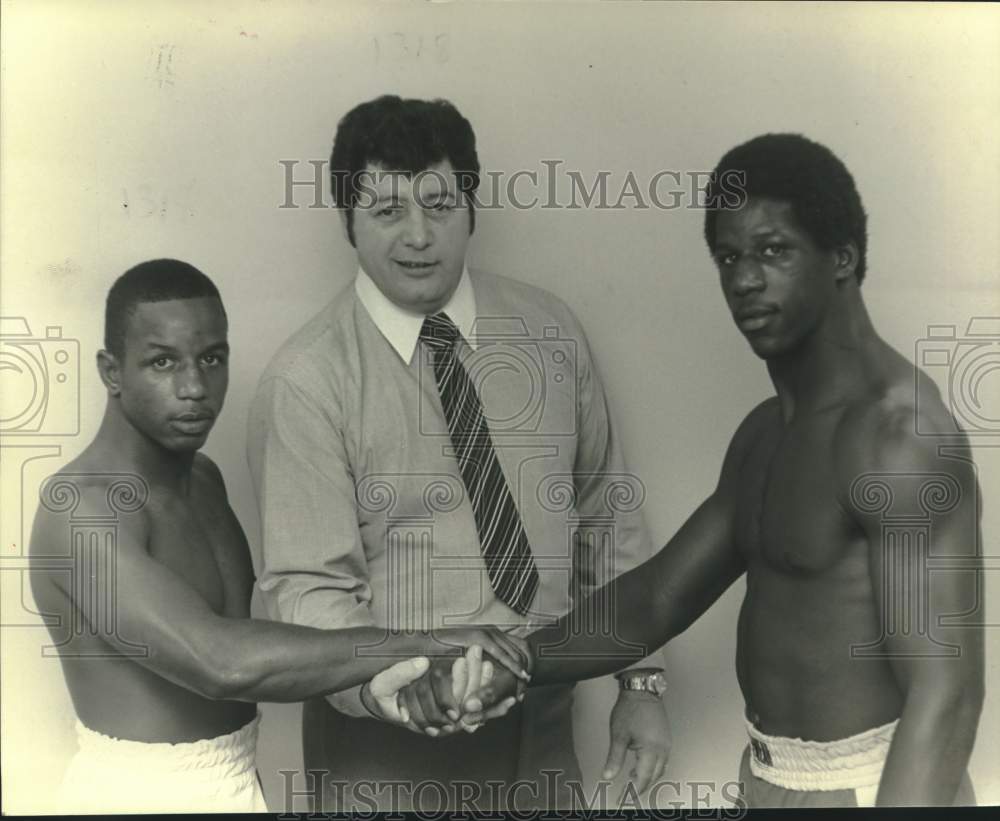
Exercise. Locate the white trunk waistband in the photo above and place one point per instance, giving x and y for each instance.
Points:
(795, 764)
(233, 752)
(113, 775)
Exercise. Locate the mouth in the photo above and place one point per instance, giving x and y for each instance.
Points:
(193, 424)
(754, 319)
(415, 266)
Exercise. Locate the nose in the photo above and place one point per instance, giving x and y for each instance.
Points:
(748, 276)
(417, 230)
(190, 383)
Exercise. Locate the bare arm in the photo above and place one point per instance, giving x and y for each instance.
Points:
(217, 657)
(938, 665)
(649, 605)
(657, 600)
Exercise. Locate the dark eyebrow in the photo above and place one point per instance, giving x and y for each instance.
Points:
(218, 346)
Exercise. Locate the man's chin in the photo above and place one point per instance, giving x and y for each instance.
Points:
(187, 444)
(427, 300)
(767, 348)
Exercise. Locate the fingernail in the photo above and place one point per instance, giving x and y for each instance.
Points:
(452, 715)
(432, 732)
(525, 675)
(473, 705)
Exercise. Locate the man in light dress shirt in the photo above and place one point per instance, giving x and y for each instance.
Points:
(366, 514)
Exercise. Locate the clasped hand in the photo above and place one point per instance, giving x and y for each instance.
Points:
(446, 690)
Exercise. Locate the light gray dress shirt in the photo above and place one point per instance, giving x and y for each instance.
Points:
(365, 519)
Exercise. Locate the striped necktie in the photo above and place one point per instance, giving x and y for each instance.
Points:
(509, 563)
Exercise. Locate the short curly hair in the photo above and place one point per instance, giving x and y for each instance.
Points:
(807, 175)
(157, 280)
(401, 135)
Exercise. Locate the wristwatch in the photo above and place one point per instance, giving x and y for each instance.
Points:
(646, 679)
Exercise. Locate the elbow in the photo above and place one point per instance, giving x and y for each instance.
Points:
(957, 704)
(227, 675)
(975, 696)
(222, 683)
(968, 697)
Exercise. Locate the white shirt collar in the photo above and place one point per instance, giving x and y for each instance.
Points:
(401, 327)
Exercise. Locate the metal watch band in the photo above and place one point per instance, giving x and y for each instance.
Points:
(647, 681)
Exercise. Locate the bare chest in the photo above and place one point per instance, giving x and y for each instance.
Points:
(200, 540)
(788, 515)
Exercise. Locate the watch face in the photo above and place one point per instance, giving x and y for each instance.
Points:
(655, 683)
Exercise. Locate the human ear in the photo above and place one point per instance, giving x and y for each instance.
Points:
(110, 370)
(347, 220)
(846, 257)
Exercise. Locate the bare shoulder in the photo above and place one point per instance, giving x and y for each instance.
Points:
(892, 430)
(894, 435)
(82, 496)
(765, 414)
(749, 431)
(207, 473)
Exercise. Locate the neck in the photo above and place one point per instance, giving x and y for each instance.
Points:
(828, 367)
(135, 452)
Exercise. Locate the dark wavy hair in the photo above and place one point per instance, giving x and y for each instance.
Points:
(807, 175)
(157, 280)
(401, 135)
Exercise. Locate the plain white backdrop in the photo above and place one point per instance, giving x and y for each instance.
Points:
(134, 131)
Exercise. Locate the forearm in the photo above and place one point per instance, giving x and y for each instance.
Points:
(259, 660)
(641, 610)
(930, 749)
(615, 627)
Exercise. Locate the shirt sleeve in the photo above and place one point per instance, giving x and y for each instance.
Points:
(314, 570)
(611, 537)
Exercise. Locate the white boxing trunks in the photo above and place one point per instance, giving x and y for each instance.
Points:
(851, 764)
(111, 775)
